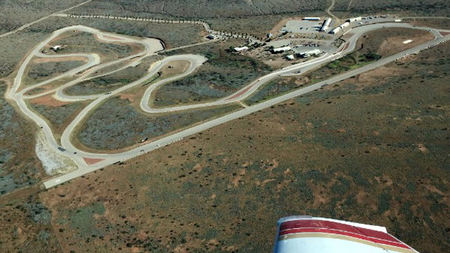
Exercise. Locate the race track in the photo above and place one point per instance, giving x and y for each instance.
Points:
(64, 147)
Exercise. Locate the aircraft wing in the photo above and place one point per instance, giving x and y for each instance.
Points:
(306, 234)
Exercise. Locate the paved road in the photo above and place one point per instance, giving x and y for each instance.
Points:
(150, 47)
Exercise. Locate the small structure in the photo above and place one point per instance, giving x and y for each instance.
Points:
(211, 37)
(309, 53)
(311, 18)
(281, 49)
(326, 25)
(354, 19)
(407, 41)
(398, 20)
(290, 57)
(240, 49)
(269, 35)
(56, 48)
(346, 24)
(336, 30)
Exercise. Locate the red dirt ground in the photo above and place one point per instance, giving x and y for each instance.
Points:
(91, 161)
(48, 100)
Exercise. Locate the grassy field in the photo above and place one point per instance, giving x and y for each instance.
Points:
(200, 9)
(241, 8)
(82, 42)
(431, 22)
(26, 223)
(15, 46)
(116, 124)
(432, 7)
(178, 35)
(224, 73)
(58, 115)
(17, 168)
(15, 13)
(371, 149)
(112, 81)
(275, 88)
(38, 72)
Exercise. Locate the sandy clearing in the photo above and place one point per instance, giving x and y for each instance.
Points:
(52, 161)
(111, 37)
(395, 44)
(38, 60)
(374, 75)
(128, 96)
(135, 48)
(174, 68)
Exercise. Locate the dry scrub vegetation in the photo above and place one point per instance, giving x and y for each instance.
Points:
(369, 149)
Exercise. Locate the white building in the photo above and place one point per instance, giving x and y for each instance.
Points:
(311, 18)
(240, 49)
(56, 48)
(281, 49)
(326, 25)
(336, 30)
(354, 19)
(290, 57)
(309, 53)
(346, 24)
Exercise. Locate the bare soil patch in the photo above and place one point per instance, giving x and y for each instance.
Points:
(48, 100)
(389, 41)
(38, 60)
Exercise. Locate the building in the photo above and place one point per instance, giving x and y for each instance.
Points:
(346, 24)
(240, 49)
(211, 37)
(311, 18)
(56, 48)
(354, 19)
(310, 53)
(326, 25)
(281, 49)
(336, 30)
(290, 57)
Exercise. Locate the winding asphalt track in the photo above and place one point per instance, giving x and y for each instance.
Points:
(93, 64)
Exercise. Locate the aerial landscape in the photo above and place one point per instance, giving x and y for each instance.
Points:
(194, 126)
